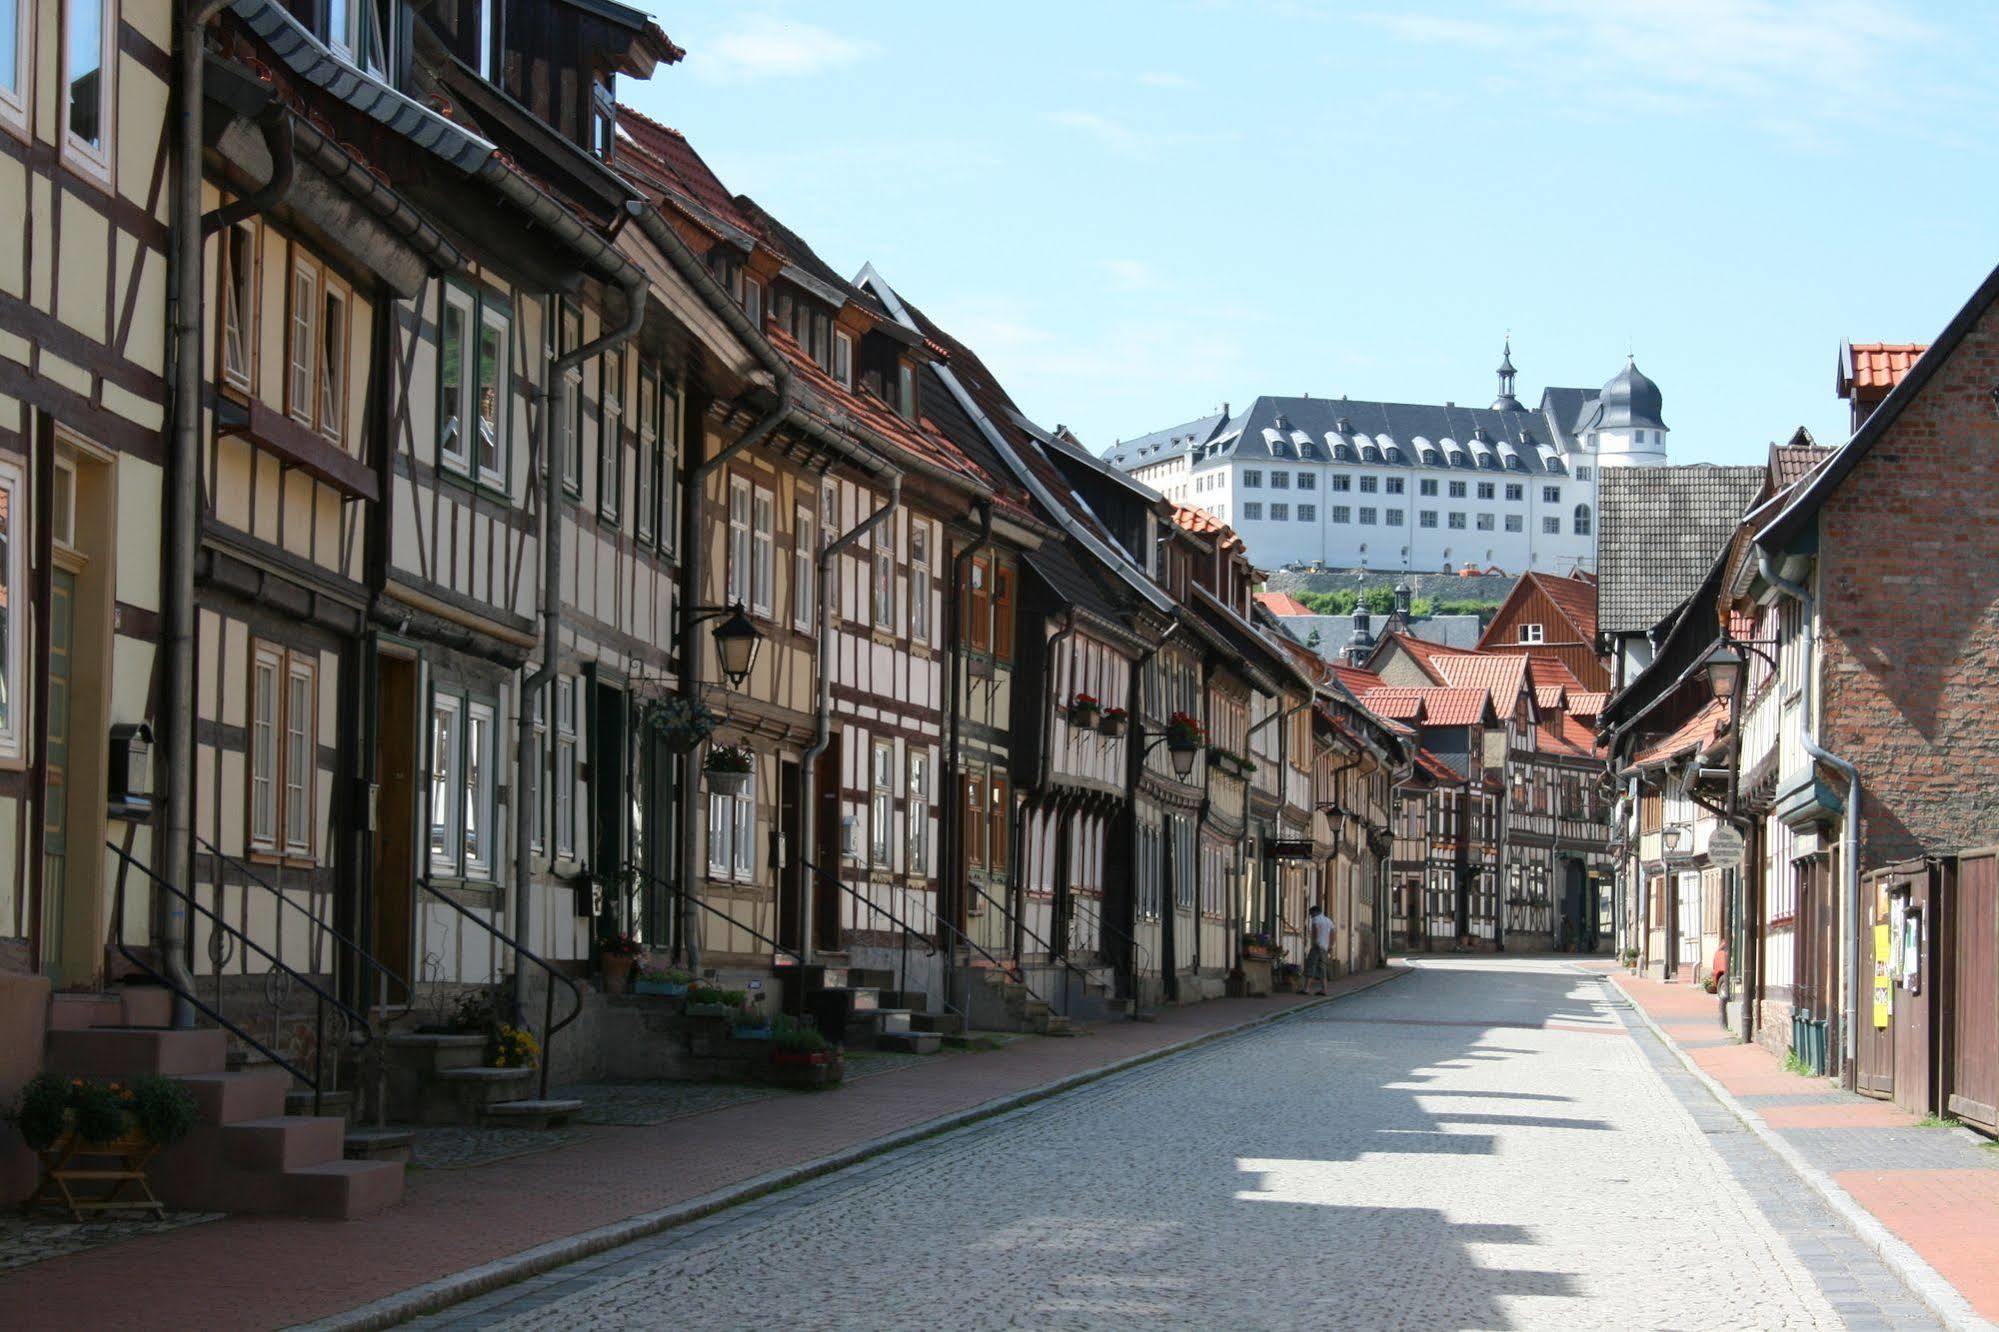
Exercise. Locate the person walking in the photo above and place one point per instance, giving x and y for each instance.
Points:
(1321, 926)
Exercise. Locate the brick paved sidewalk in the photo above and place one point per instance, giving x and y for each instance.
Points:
(268, 1272)
(1935, 1188)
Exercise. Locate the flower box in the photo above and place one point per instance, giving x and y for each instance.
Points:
(671, 989)
(1111, 725)
(713, 1010)
(1083, 712)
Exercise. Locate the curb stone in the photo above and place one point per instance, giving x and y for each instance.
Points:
(432, 1296)
(1929, 1285)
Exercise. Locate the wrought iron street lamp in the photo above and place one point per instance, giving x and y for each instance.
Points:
(737, 639)
(1724, 671)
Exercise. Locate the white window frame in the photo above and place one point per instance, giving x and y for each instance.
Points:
(331, 399)
(502, 323)
(611, 436)
(763, 552)
(744, 847)
(919, 581)
(446, 835)
(917, 827)
(13, 569)
(570, 324)
(564, 781)
(298, 797)
(1533, 633)
(282, 753)
(843, 358)
(737, 575)
(881, 802)
(94, 160)
(804, 569)
(669, 467)
(644, 521)
(732, 823)
(265, 758)
(543, 770)
(14, 83)
(489, 39)
(302, 339)
(240, 306)
(481, 747)
(882, 600)
(454, 448)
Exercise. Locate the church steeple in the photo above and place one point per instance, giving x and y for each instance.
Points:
(1506, 402)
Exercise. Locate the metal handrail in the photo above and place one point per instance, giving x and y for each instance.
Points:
(1103, 923)
(908, 931)
(640, 872)
(367, 960)
(1046, 947)
(125, 950)
(549, 1026)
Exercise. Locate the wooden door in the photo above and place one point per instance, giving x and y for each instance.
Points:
(1687, 895)
(826, 893)
(790, 874)
(1915, 996)
(55, 800)
(394, 925)
(1873, 1046)
(1973, 1000)
(610, 803)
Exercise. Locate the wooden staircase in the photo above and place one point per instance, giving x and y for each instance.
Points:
(245, 1153)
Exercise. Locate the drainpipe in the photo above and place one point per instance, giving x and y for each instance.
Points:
(183, 516)
(823, 707)
(554, 426)
(954, 659)
(1849, 857)
(1134, 774)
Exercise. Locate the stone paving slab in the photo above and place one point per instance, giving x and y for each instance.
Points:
(264, 1272)
(34, 1239)
(1925, 1198)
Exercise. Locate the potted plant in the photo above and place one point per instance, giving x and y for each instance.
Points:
(1284, 977)
(669, 981)
(1183, 732)
(713, 1001)
(514, 1047)
(618, 953)
(62, 1119)
(681, 723)
(1631, 957)
(1083, 711)
(728, 769)
(1113, 722)
(1259, 944)
(801, 1057)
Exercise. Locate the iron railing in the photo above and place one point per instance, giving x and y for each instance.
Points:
(549, 1026)
(904, 929)
(1061, 958)
(778, 950)
(348, 1021)
(366, 964)
(1133, 948)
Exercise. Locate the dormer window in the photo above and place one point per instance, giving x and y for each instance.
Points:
(603, 120)
(489, 40)
(843, 358)
(753, 301)
(358, 30)
(905, 390)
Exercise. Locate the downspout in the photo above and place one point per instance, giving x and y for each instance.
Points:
(693, 550)
(823, 707)
(277, 127)
(1849, 857)
(1056, 642)
(1134, 775)
(554, 426)
(183, 516)
(954, 660)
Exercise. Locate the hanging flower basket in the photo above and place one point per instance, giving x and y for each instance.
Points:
(1083, 712)
(728, 769)
(1112, 723)
(680, 723)
(1183, 732)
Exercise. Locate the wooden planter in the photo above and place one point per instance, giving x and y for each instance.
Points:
(1084, 715)
(62, 1173)
(1111, 726)
(617, 973)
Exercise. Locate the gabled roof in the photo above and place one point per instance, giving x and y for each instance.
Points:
(1463, 706)
(1503, 675)
(1877, 366)
(1551, 698)
(1694, 734)
(1357, 681)
(1793, 462)
(1282, 603)
(1575, 598)
(1544, 670)
(1568, 735)
(1421, 650)
(1587, 706)
(1805, 501)
(1396, 705)
(1658, 532)
(1436, 769)
(1163, 444)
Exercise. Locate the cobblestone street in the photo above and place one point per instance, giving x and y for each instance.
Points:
(1483, 1144)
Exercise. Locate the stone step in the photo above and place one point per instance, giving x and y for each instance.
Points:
(230, 1098)
(909, 1042)
(1054, 1024)
(338, 1102)
(871, 978)
(98, 1052)
(944, 1024)
(343, 1190)
(383, 1144)
(530, 1113)
(287, 1142)
(80, 1012)
(147, 1005)
(461, 1095)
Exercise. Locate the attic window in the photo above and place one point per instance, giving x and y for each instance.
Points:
(905, 391)
(1532, 633)
(603, 120)
(843, 358)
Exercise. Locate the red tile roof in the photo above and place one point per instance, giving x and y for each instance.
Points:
(1203, 523)
(1551, 698)
(1544, 670)
(1356, 680)
(1422, 650)
(1395, 705)
(1587, 705)
(1876, 365)
(683, 169)
(1696, 733)
(1575, 598)
(1283, 603)
(1564, 734)
(1436, 768)
(1501, 674)
(1441, 707)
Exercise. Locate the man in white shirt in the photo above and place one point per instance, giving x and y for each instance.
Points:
(1320, 926)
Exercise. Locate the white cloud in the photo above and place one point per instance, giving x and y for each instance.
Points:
(762, 46)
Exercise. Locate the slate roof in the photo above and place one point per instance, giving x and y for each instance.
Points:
(1659, 530)
(1074, 577)
(1389, 434)
(1875, 365)
(1162, 444)
(1459, 632)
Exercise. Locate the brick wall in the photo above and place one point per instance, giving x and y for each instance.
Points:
(1909, 595)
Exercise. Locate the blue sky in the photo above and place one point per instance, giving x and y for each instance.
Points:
(1137, 211)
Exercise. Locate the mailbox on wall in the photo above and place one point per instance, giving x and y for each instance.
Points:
(129, 771)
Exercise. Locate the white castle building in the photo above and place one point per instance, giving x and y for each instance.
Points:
(1391, 485)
